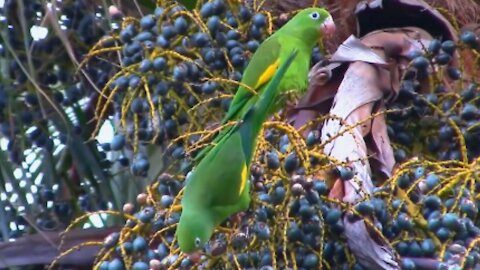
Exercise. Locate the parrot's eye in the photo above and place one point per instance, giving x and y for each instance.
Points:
(314, 15)
(197, 242)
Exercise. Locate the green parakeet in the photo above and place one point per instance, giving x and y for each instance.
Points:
(218, 186)
(302, 32)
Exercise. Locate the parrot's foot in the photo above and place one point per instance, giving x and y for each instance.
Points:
(320, 73)
(195, 256)
(323, 76)
(236, 219)
(218, 247)
(233, 223)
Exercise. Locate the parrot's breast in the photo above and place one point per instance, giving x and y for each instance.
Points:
(296, 77)
(296, 80)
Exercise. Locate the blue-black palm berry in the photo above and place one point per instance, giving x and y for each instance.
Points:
(291, 163)
(333, 216)
(168, 31)
(259, 20)
(146, 214)
(163, 41)
(213, 24)
(144, 36)
(181, 25)
(137, 105)
(209, 87)
(443, 58)
(147, 22)
(469, 111)
(118, 142)
(134, 81)
(454, 73)
(407, 264)
(420, 63)
(345, 173)
(180, 72)
(145, 65)
(140, 266)
(116, 264)
(233, 34)
(200, 39)
(449, 46)
(469, 38)
(207, 10)
(434, 46)
(139, 244)
(140, 167)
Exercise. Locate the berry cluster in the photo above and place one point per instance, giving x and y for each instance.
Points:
(178, 72)
(427, 210)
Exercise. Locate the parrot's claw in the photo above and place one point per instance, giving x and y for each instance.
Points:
(247, 231)
(237, 218)
(195, 256)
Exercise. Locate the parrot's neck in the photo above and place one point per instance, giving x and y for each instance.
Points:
(201, 221)
(304, 37)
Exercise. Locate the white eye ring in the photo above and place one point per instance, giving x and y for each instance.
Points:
(197, 242)
(314, 15)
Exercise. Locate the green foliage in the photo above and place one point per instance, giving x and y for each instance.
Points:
(190, 4)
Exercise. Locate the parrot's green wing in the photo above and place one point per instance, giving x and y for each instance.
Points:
(260, 70)
(228, 170)
(227, 165)
(256, 115)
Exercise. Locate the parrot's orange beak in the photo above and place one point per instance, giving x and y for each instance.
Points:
(328, 27)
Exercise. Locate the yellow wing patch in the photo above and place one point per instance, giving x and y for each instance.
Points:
(267, 74)
(244, 178)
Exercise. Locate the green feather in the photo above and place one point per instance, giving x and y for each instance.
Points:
(218, 187)
(266, 55)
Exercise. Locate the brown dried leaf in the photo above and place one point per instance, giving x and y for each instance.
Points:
(353, 102)
(353, 49)
(369, 253)
(381, 147)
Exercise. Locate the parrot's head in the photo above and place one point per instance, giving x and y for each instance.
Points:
(311, 24)
(194, 230)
